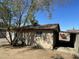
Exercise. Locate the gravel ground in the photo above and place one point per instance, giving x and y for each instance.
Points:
(9, 52)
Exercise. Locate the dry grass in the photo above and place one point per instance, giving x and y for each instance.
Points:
(9, 52)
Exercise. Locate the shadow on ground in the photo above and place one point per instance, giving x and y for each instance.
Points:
(10, 46)
(17, 47)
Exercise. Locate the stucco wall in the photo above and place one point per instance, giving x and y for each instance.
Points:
(76, 45)
(7, 35)
(43, 39)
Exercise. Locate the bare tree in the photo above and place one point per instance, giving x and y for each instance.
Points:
(17, 13)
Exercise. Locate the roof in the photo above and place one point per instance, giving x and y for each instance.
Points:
(41, 27)
(71, 31)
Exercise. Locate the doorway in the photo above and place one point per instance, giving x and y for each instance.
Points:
(72, 39)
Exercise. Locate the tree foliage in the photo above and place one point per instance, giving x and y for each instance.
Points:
(21, 12)
(17, 13)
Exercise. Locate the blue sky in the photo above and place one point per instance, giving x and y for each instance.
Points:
(67, 16)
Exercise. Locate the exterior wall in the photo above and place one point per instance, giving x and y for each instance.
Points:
(29, 37)
(76, 45)
(7, 35)
(43, 39)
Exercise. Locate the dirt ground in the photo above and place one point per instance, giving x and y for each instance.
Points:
(9, 52)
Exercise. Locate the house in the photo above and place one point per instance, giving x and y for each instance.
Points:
(69, 38)
(2, 32)
(2, 29)
(2, 25)
(43, 35)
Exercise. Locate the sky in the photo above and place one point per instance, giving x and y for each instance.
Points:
(66, 16)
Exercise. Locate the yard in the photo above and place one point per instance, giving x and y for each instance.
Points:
(8, 52)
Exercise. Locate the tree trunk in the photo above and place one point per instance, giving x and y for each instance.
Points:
(10, 38)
